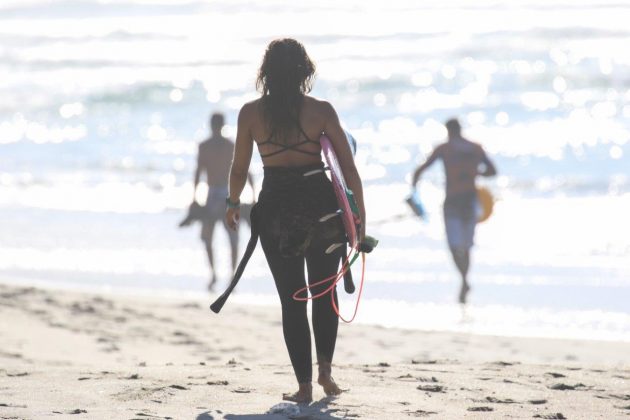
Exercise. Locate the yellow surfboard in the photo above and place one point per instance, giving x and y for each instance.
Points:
(486, 204)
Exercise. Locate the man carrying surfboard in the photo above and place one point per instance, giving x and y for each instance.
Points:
(463, 162)
(296, 197)
(213, 162)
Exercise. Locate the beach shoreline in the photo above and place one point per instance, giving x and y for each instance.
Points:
(104, 356)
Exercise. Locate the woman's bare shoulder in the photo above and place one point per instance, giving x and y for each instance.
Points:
(318, 105)
(250, 108)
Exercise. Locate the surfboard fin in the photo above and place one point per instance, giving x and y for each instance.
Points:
(333, 247)
(330, 215)
(313, 172)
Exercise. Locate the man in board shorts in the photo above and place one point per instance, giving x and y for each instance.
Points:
(463, 161)
(214, 160)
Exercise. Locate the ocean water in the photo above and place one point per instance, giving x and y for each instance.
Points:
(104, 103)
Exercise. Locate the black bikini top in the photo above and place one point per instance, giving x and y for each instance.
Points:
(287, 147)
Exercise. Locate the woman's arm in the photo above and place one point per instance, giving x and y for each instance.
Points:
(240, 163)
(342, 149)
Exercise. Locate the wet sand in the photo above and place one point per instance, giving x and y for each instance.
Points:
(81, 355)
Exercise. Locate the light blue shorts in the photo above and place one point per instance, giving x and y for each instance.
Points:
(460, 220)
(214, 211)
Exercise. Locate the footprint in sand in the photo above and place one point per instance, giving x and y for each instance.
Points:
(82, 308)
(556, 416)
(11, 355)
(420, 413)
(12, 405)
(500, 401)
(502, 363)
(480, 409)
(565, 387)
(110, 349)
(152, 416)
(77, 411)
(430, 388)
(17, 375)
(222, 383)
(555, 375)
(190, 305)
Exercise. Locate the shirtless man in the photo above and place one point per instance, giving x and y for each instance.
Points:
(214, 160)
(463, 161)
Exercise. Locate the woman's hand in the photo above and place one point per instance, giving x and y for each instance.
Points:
(232, 216)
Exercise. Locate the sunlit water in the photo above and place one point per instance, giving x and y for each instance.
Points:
(103, 104)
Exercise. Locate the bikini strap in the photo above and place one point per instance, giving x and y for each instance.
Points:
(290, 147)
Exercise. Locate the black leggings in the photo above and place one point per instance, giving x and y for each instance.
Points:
(288, 274)
(307, 199)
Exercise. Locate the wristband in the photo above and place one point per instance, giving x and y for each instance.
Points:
(231, 204)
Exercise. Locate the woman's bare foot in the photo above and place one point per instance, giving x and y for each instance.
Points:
(329, 385)
(326, 380)
(304, 395)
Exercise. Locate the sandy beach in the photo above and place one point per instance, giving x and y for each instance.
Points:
(104, 311)
(80, 355)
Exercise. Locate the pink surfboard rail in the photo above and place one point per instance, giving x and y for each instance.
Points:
(350, 219)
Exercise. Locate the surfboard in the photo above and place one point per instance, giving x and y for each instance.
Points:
(345, 199)
(349, 213)
(486, 204)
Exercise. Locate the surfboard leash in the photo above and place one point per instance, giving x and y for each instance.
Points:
(335, 278)
(366, 246)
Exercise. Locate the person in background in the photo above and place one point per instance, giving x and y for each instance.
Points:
(213, 161)
(463, 162)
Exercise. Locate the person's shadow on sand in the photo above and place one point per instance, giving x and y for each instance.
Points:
(318, 410)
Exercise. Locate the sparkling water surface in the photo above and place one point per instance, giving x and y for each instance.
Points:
(104, 103)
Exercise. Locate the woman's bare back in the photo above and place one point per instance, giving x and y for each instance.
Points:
(303, 148)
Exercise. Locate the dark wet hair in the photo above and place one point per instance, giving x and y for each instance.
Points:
(217, 120)
(285, 75)
(453, 127)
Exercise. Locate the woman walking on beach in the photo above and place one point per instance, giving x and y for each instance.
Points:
(286, 123)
